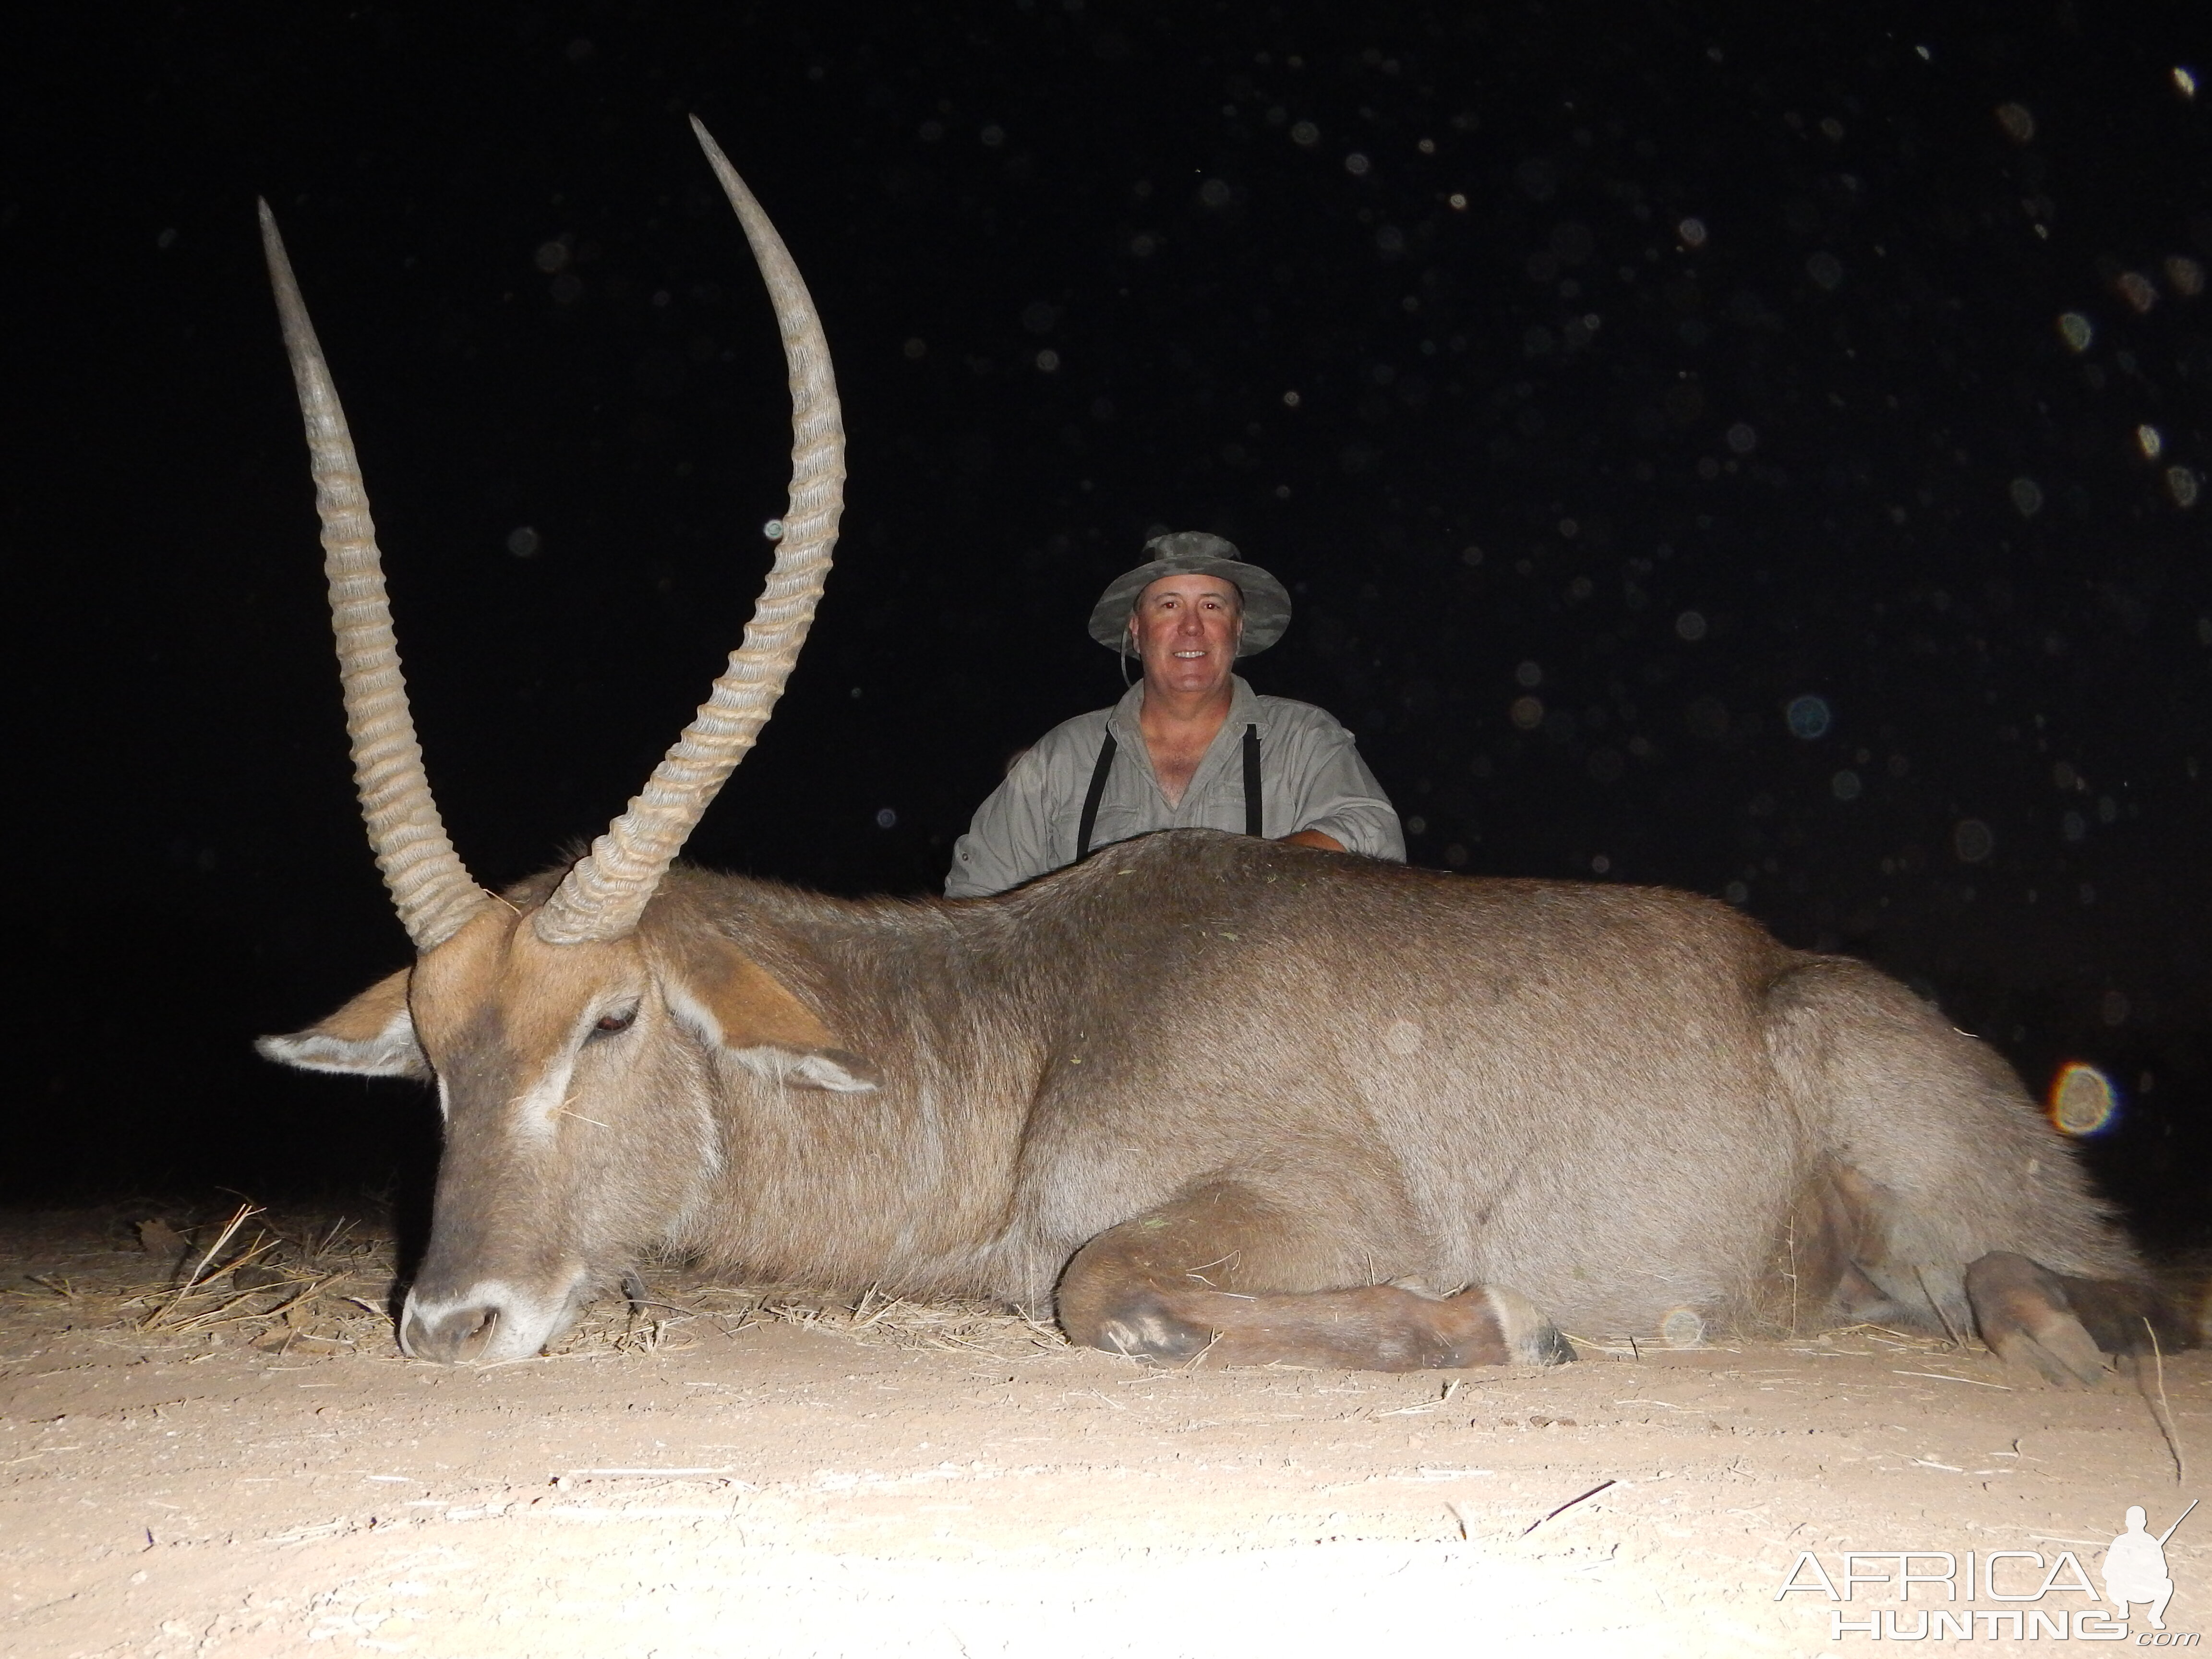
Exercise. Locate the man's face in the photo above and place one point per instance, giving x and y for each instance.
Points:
(1186, 628)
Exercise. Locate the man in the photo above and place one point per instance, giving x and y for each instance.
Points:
(1189, 745)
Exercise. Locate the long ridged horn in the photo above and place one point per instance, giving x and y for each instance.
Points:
(434, 895)
(604, 893)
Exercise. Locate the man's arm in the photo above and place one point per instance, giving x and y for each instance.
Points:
(1335, 801)
(1001, 849)
(1015, 836)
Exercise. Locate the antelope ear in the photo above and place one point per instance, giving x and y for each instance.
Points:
(729, 1000)
(373, 1035)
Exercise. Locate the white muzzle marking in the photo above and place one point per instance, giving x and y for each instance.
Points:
(521, 1323)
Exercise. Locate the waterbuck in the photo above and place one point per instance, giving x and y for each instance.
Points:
(1200, 1094)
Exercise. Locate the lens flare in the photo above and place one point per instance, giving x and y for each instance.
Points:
(2083, 1101)
(1682, 1327)
(1810, 717)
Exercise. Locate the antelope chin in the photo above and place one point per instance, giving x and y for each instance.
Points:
(490, 1321)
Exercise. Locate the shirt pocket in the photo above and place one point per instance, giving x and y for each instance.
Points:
(1118, 823)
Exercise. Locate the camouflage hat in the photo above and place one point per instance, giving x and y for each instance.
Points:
(1194, 553)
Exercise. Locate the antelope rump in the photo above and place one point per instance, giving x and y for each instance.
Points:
(1199, 1095)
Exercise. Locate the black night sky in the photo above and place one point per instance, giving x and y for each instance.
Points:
(1606, 381)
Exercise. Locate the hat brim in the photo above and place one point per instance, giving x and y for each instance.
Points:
(1266, 601)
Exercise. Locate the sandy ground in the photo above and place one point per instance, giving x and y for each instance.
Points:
(251, 1467)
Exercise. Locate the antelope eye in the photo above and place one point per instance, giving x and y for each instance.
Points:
(610, 1024)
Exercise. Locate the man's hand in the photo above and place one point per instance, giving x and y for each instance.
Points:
(1314, 838)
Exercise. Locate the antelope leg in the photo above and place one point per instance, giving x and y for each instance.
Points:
(2023, 1313)
(1213, 1275)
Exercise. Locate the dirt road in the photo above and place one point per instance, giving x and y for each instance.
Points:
(223, 1473)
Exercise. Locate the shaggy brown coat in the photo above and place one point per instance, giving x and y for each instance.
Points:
(1226, 1075)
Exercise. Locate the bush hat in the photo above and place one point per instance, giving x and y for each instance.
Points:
(1194, 553)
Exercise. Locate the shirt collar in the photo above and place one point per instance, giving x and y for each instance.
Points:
(1121, 720)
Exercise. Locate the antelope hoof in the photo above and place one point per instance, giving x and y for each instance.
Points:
(2023, 1314)
(1527, 1337)
(1144, 1327)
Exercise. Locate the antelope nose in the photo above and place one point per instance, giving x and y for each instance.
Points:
(449, 1333)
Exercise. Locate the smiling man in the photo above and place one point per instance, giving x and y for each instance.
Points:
(1189, 747)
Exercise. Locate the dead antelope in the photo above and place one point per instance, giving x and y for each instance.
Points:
(1200, 1094)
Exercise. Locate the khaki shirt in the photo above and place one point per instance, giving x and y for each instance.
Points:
(1312, 777)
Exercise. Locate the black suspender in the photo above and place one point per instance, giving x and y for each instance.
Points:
(1098, 774)
(1251, 780)
(1104, 769)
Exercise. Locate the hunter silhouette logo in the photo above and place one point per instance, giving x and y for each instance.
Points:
(2135, 1567)
(2134, 1570)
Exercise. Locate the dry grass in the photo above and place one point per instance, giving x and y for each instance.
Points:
(308, 1284)
(303, 1284)
(678, 1304)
